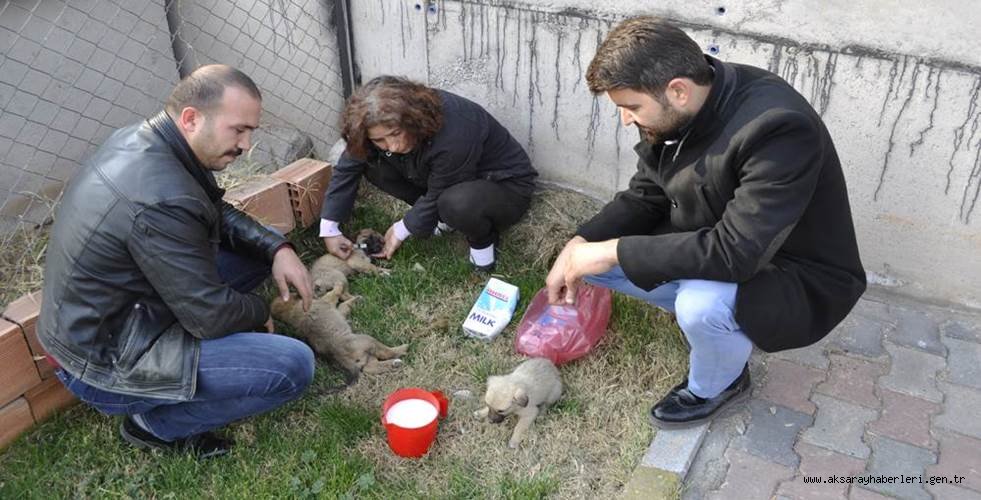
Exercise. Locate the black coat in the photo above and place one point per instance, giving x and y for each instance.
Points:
(752, 192)
(470, 145)
(130, 280)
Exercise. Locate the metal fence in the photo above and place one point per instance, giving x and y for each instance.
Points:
(71, 72)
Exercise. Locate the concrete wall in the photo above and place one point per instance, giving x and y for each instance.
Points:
(288, 47)
(69, 75)
(898, 83)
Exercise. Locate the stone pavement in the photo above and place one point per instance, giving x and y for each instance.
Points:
(892, 395)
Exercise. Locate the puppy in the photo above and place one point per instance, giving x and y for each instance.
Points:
(326, 329)
(330, 272)
(525, 392)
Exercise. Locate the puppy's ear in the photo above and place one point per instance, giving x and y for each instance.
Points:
(520, 397)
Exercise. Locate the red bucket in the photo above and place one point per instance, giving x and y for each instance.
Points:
(413, 424)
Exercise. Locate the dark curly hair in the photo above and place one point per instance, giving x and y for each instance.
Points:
(644, 54)
(390, 101)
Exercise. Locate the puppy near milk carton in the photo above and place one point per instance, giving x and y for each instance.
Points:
(492, 311)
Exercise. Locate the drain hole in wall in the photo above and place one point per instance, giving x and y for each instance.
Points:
(720, 10)
(432, 8)
(418, 7)
(713, 49)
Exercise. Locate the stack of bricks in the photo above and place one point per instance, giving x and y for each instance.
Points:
(29, 391)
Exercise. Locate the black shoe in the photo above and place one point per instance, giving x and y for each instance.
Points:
(204, 445)
(680, 408)
(489, 268)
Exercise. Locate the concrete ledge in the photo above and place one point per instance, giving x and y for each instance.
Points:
(665, 465)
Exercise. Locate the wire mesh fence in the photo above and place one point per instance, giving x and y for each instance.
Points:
(73, 72)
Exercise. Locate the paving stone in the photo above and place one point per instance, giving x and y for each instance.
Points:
(913, 372)
(772, 432)
(962, 362)
(708, 470)
(859, 493)
(916, 328)
(962, 328)
(853, 379)
(673, 450)
(750, 477)
(946, 491)
(961, 409)
(820, 462)
(839, 426)
(859, 334)
(905, 418)
(874, 310)
(894, 459)
(959, 456)
(790, 384)
(813, 356)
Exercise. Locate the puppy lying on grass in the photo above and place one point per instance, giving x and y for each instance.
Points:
(326, 329)
(330, 272)
(525, 392)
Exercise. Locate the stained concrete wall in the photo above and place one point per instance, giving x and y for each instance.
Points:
(898, 83)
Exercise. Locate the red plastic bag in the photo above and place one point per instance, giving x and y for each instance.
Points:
(564, 333)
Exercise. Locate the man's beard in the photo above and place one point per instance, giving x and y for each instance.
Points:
(674, 121)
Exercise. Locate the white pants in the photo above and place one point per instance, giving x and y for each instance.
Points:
(706, 313)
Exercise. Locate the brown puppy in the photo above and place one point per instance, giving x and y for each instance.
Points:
(330, 272)
(326, 329)
(525, 392)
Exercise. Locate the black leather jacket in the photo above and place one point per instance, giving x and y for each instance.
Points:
(131, 281)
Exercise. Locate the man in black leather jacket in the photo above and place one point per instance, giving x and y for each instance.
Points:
(146, 304)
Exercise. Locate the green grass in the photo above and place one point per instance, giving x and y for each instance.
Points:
(333, 446)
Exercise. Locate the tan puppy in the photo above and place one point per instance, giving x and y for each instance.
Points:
(326, 329)
(525, 392)
(330, 272)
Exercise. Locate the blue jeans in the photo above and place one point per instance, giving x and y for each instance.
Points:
(706, 314)
(239, 375)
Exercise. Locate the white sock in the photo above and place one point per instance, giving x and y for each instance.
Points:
(483, 256)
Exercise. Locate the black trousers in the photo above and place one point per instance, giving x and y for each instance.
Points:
(480, 209)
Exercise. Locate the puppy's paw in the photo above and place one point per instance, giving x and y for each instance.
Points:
(481, 414)
(513, 443)
(397, 363)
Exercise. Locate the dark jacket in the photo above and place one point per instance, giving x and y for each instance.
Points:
(470, 145)
(752, 192)
(130, 279)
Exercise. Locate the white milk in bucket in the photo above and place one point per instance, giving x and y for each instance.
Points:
(411, 413)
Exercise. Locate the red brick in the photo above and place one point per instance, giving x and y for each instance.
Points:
(307, 180)
(47, 398)
(750, 477)
(905, 418)
(853, 380)
(266, 200)
(961, 456)
(821, 462)
(25, 311)
(789, 384)
(15, 418)
(18, 372)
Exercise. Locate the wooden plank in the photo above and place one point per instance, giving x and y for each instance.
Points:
(15, 418)
(18, 372)
(47, 398)
(266, 200)
(25, 311)
(307, 180)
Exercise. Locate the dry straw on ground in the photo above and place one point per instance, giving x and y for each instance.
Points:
(589, 443)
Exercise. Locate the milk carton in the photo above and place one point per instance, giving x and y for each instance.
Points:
(492, 311)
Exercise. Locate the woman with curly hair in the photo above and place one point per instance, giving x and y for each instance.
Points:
(442, 154)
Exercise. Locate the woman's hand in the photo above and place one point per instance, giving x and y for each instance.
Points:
(392, 244)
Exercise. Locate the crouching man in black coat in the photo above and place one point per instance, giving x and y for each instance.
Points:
(146, 284)
(737, 219)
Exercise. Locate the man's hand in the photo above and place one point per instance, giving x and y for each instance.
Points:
(578, 259)
(392, 243)
(339, 246)
(270, 328)
(288, 270)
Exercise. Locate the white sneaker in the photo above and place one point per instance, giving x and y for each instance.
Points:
(442, 228)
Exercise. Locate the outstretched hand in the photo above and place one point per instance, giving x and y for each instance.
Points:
(339, 246)
(578, 259)
(288, 270)
(392, 244)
